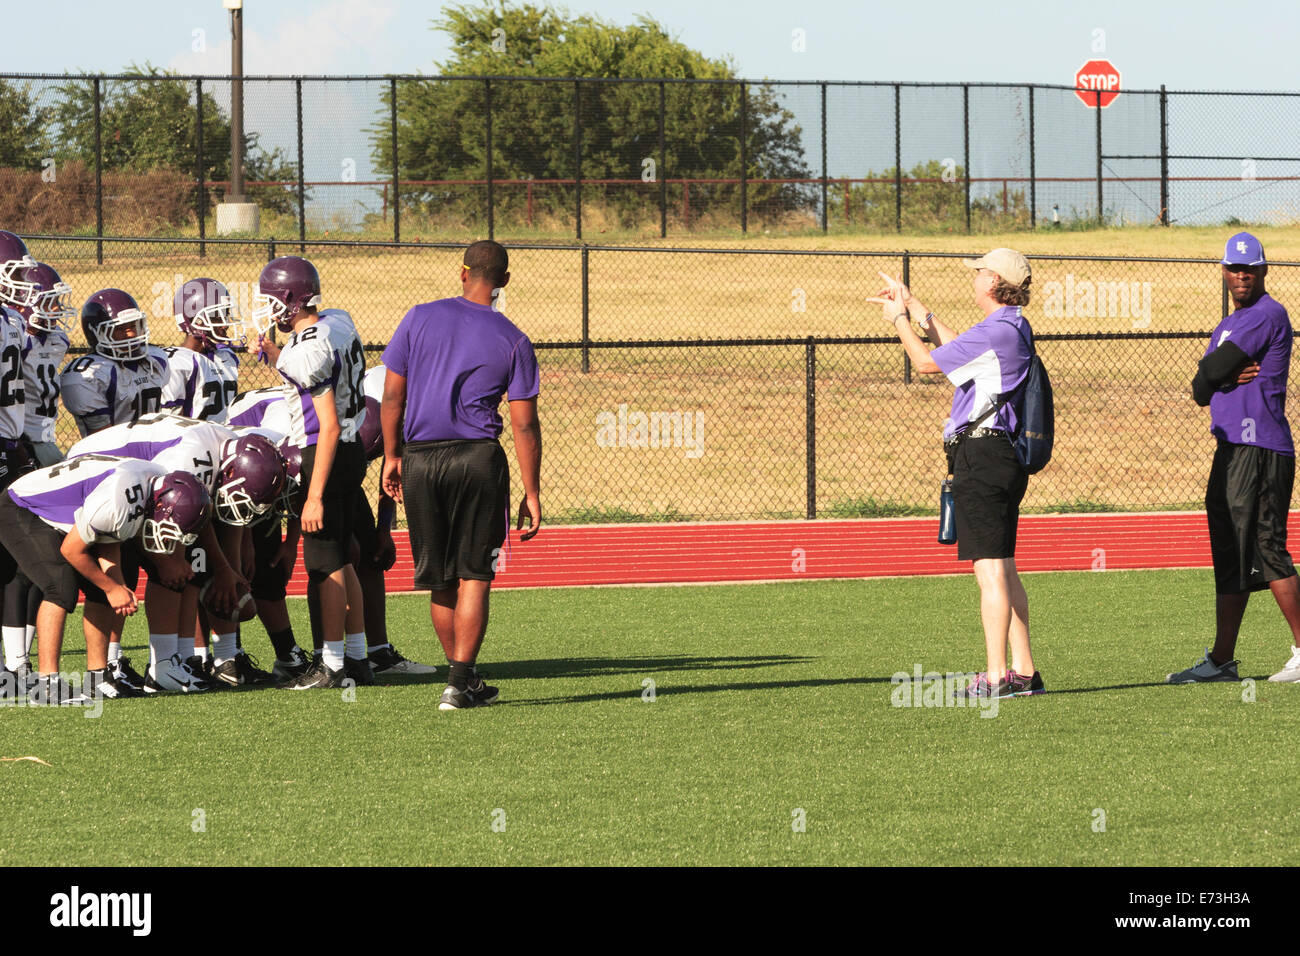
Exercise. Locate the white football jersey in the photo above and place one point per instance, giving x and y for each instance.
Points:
(175, 442)
(13, 402)
(226, 360)
(99, 392)
(195, 386)
(325, 355)
(42, 356)
(102, 496)
(263, 407)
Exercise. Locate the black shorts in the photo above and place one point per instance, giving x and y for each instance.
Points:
(366, 532)
(268, 582)
(30, 547)
(1246, 502)
(325, 551)
(15, 461)
(988, 484)
(457, 496)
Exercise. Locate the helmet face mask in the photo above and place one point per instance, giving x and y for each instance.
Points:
(38, 294)
(205, 310)
(162, 537)
(179, 508)
(251, 480)
(13, 257)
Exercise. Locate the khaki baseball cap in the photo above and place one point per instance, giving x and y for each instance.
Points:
(1007, 263)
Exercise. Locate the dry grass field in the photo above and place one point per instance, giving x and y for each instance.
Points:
(1128, 434)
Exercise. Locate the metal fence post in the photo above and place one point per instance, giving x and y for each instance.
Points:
(201, 204)
(810, 427)
(824, 190)
(270, 249)
(99, 176)
(392, 123)
(1033, 182)
(744, 159)
(1164, 159)
(487, 93)
(907, 281)
(302, 192)
(663, 168)
(586, 314)
(898, 159)
(965, 144)
(577, 156)
(1100, 208)
(1223, 297)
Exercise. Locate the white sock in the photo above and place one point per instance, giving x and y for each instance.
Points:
(376, 647)
(31, 637)
(355, 646)
(202, 653)
(161, 648)
(114, 651)
(15, 644)
(334, 655)
(223, 648)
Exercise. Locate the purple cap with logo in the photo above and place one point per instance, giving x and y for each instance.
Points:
(1243, 249)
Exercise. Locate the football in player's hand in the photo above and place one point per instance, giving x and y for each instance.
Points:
(246, 610)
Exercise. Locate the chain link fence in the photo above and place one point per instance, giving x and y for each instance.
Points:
(415, 157)
(684, 384)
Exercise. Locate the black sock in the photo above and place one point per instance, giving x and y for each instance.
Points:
(282, 641)
(459, 676)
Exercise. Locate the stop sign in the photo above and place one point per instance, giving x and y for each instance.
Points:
(1097, 75)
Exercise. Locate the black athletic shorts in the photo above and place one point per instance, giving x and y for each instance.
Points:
(1246, 502)
(365, 531)
(268, 582)
(457, 496)
(325, 551)
(30, 547)
(988, 484)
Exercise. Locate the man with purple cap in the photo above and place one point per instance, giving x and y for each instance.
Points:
(1243, 378)
(988, 363)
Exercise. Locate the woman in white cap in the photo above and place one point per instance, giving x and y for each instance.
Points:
(987, 363)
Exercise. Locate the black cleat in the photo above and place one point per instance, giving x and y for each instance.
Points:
(121, 669)
(388, 660)
(359, 672)
(453, 699)
(53, 691)
(108, 685)
(316, 676)
(285, 671)
(240, 671)
(482, 690)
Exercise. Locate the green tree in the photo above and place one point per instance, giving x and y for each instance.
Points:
(23, 124)
(934, 198)
(442, 123)
(147, 122)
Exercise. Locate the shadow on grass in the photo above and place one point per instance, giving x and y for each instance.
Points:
(599, 667)
(672, 691)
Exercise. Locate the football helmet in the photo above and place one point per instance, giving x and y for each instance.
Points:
(251, 480)
(13, 256)
(41, 297)
(372, 431)
(286, 286)
(291, 455)
(105, 314)
(204, 309)
(179, 507)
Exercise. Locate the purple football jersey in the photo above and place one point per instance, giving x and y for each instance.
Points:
(459, 358)
(1255, 413)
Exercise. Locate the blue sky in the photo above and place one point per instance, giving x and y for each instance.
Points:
(1189, 45)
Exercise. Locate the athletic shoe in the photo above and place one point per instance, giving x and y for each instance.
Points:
(358, 671)
(121, 669)
(111, 686)
(173, 674)
(284, 671)
(453, 699)
(1290, 672)
(18, 682)
(387, 660)
(53, 691)
(240, 671)
(250, 670)
(1022, 686)
(482, 690)
(1205, 671)
(981, 686)
(316, 676)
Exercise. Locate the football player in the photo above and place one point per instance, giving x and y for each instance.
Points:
(245, 476)
(66, 524)
(199, 383)
(120, 380)
(35, 291)
(322, 365)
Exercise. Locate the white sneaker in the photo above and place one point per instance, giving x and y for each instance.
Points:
(174, 674)
(1290, 672)
(1205, 671)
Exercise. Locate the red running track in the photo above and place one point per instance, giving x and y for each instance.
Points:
(797, 550)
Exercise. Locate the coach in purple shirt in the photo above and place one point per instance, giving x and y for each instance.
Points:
(449, 365)
(987, 363)
(1243, 378)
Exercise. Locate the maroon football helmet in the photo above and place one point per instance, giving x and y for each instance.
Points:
(372, 431)
(13, 256)
(41, 297)
(291, 455)
(286, 286)
(179, 508)
(251, 481)
(205, 310)
(107, 311)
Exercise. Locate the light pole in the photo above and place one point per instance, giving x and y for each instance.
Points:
(236, 214)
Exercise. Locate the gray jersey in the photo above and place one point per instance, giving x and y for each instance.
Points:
(326, 356)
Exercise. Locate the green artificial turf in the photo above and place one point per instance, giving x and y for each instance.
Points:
(768, 700)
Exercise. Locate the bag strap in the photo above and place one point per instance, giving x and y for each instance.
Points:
(1002, 400)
